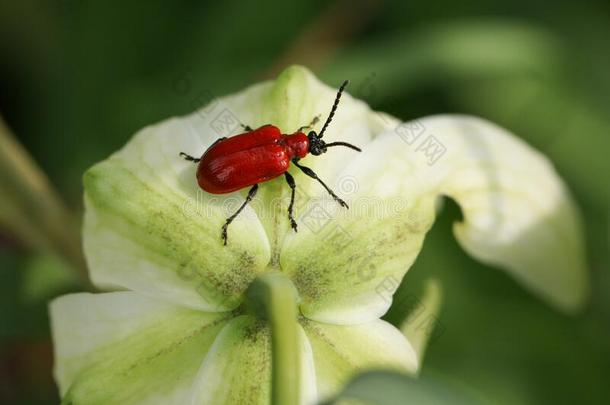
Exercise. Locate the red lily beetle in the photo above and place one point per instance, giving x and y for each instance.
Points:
(259, 155)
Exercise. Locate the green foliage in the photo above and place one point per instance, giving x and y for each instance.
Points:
(387, 388)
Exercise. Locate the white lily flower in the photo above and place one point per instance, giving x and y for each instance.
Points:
(180, 332)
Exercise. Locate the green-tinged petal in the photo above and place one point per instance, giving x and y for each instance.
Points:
(518, 213)
(346, 264)
(237, 369)
(123, 348)
(149, 229)
(340, 352)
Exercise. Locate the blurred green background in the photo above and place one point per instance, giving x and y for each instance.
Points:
(78, 78)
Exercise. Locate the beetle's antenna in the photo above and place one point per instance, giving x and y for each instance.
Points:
(332, 110)
(349, 145)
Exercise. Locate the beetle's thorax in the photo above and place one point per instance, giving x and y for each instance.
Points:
(297, 144)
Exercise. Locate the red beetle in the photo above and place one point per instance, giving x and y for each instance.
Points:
(259, 155)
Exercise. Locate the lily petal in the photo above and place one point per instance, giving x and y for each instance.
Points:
(148, 228)
(518, 213)
(124, 348)
(237, 369)
(346, 264)
(340, 352)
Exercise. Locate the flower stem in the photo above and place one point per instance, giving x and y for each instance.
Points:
(273, 298)
(32, 209)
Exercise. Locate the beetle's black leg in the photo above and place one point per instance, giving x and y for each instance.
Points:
(249, 198)
(311, 174)
(196, 160)
(293, 186)
(215, 142)
(189, 157)
(246, 127)
(313, 122)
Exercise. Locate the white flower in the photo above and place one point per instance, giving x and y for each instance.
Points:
(180, 333)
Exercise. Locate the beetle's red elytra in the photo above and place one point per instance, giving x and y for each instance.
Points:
(250, 158)
(259, 155)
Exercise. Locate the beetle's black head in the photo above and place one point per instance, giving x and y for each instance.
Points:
(316, 145)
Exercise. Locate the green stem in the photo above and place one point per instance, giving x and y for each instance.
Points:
(31, 208)
(273, 297)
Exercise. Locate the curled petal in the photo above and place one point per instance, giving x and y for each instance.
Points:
(518, 214)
